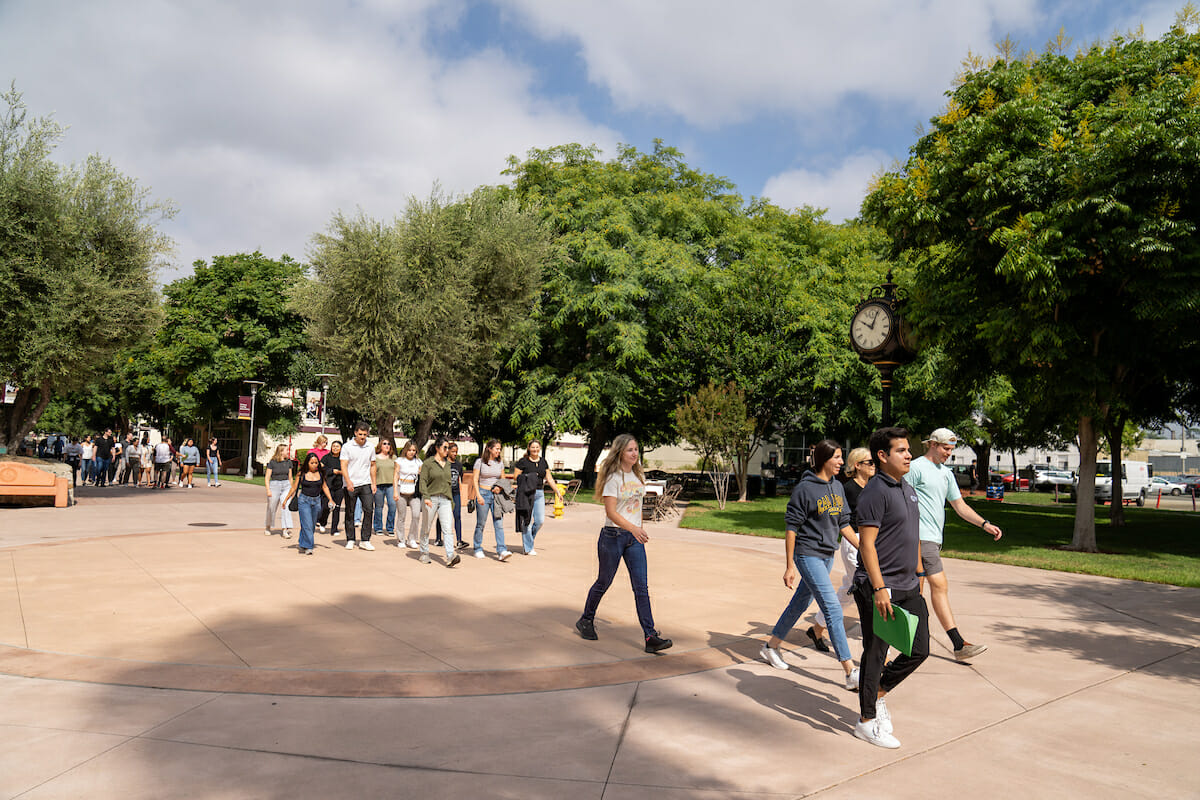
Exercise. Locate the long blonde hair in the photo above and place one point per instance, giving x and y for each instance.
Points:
(612, 463)
(280, 449)
(856, 456)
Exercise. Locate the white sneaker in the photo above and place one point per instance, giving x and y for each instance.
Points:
(532, 553)
(505, 556)
(852, 682)
(881, 714)
(872, 732)
(411, 544)
(287, 533)
(219, 483)
(479, 554)
(366, 546)
(267, 531)
(350, 545)
(772, 656)
(320, 529)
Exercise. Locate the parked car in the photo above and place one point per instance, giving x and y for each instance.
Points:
(1007, 477)
(1047, 479)
(1191, 484)
(1172, 486)
(962, 475)
(1134, 484)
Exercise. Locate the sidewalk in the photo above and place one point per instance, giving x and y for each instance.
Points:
(156, 644)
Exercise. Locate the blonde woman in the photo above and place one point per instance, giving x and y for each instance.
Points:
(384, 470)
(489, 469)
(622, 485)
(404, 491)
(279, 486)
(858, 470)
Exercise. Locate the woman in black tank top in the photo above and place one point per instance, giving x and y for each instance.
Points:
(309, 485)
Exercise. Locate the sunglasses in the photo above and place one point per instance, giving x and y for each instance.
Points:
(868, 462)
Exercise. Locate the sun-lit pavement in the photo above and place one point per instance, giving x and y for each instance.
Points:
(156, 644)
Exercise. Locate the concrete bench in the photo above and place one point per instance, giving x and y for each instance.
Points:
(24, 480)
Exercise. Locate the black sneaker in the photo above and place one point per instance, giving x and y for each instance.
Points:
(586, 629)
(655, 643)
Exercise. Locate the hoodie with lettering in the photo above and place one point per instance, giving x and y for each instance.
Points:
(817, 512)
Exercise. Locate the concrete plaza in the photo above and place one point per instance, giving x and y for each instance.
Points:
(155, 644)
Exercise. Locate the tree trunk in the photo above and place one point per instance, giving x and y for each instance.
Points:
(1116, 511)
(421, 435)
(1084, 537)
(742, 465)
(386, 426)
(597, 441)
(19, 418)
(983, 456)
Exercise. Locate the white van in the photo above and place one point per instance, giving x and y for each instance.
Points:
(1135, 481)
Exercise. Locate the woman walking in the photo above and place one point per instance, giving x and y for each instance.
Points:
(408, 501)
(859, 469)
(531, 473)
(622, 484)
(815, 514)
(189, 459)
(279, 484)
(436, 494)
(332, 462)
(489, 469)
(384, 469)
(212, 463)
(311, 486)
(147, 462)
(87, 457)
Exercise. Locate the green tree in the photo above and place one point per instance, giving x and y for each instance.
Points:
(413, 315)
(1045, 212)
(226, 323)
(78, 254)
(715, 422)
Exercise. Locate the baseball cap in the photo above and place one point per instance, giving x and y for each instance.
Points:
(943, 436)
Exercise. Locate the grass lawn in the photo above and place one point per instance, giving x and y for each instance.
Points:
(257, 480)
(1158, 546)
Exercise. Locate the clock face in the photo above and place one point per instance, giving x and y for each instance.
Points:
(871, 326)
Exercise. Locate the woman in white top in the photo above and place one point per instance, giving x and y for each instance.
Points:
(489, 468)
(408, 470)
(622, 484)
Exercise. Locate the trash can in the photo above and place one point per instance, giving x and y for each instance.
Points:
(770, 482)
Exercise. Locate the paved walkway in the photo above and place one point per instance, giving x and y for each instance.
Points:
(158, 645)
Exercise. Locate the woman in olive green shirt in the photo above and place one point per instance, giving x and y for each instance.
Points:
(383, 475)
(435, 491)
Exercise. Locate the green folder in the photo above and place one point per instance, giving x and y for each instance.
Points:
(899, 631)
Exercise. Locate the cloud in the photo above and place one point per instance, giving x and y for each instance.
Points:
(715, 63)
(261, 119)
(840, 189)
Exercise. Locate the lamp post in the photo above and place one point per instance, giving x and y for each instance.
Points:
(250, 445)
(324, 376)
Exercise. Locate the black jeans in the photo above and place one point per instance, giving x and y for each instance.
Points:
(364, 495)
(338, 496)
(873, 676)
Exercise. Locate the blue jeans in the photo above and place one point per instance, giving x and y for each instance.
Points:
(814, 581)
(482, 512)
(383, 495)
(439, 508)
(102, 471)
(212, 475)
(310, 509)
(535, 523)
(616, 544)
(85, 466)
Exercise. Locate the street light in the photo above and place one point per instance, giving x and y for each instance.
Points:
(250, 445)
(324, 376)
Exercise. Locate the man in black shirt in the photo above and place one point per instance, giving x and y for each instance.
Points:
(889, 567)
(104, 454)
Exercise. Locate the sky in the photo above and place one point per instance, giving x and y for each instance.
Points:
(261, 119)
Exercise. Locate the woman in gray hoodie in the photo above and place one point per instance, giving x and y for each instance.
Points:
(816, 514)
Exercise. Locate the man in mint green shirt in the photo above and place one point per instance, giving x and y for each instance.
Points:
(935, 484)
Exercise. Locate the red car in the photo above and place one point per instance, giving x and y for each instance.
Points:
(1022, 483)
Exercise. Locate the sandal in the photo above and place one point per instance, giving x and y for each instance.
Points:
(820, 644)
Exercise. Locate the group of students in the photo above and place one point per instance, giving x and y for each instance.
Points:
(889, 514)
(106, 460)
(379, 489)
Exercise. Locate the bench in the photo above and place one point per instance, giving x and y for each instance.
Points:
(23, 480)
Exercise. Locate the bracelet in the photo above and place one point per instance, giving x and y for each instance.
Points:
(984, 524)
(920, 574)
(880, 589)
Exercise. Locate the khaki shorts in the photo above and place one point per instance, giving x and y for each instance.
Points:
(931, 558)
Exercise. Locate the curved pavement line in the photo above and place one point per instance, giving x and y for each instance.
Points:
(22, 662)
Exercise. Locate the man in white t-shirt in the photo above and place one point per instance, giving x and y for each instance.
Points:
(935, 484)
(357, 456)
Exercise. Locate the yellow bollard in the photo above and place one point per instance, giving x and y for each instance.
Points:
(558, 505)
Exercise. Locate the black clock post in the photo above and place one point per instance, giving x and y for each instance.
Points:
(879, 335)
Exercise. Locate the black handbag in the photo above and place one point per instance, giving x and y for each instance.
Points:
(295, 504)
(471, 506)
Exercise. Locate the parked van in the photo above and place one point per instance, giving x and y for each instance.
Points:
(1135, 481)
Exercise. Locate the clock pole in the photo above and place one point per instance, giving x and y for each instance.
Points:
(878, 335)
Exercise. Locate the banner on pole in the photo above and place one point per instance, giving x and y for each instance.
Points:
(244, 406)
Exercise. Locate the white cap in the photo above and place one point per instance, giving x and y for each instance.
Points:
(943, 436)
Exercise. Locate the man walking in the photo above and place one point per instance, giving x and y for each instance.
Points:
(104, 454)
(889, 548)
(162, 464)
(935, 484)
(356, 459)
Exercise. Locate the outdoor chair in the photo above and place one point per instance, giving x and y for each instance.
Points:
(664, 504)
(570, 491)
